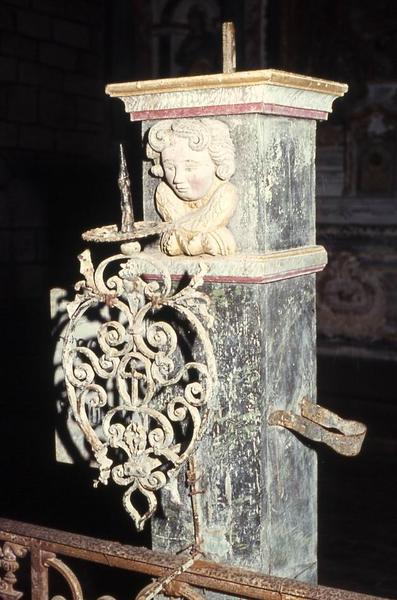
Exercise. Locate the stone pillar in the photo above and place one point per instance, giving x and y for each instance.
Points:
(259, 504)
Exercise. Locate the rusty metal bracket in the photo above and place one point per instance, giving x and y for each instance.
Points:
(321, 425)
(132, 367)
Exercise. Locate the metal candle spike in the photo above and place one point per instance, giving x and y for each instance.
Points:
(229, 47)
(130, 229)
(127, 213)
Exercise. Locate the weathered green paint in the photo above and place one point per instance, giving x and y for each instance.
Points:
(259, 506)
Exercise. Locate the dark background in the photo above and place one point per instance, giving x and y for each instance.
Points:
(59, 135)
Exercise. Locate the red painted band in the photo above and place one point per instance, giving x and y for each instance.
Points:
(229, 109)
(246, 280)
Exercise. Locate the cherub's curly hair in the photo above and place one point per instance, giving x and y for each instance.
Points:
(200, 133)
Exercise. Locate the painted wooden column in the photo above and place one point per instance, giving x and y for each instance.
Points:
(259, 503)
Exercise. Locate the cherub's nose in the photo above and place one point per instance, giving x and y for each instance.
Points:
(179, 176)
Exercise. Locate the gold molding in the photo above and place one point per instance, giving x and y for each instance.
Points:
(226, 80)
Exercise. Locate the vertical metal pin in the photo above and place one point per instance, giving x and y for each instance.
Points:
(127, 213)
(229, 47)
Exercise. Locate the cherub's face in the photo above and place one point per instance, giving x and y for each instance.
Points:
(188, 172)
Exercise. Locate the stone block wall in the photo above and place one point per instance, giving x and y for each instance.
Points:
(52, 110)
(53, 162)
(51, 71)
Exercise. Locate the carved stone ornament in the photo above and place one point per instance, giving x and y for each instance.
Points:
(195, 158)
(149, 368)
(351, 300)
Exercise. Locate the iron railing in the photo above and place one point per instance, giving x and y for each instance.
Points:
(176, 575)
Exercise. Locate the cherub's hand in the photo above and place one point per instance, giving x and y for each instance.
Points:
(195, 246)
(169, 243)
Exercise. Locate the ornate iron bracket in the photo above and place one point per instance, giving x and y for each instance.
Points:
(321, 425)
(152, 390)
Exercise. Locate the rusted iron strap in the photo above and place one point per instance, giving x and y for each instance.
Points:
(205, 574)
(165, 583)
(321, 425)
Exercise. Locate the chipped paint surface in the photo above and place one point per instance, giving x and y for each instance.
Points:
(259, 504)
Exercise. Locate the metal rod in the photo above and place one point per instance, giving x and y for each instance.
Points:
(229, 47)
(153, 589)
(127, 213)
(192, 477)
(203, 573)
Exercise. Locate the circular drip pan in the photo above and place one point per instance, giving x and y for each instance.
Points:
(111, 233)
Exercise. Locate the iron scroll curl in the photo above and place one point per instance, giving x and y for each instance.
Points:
(154, 399)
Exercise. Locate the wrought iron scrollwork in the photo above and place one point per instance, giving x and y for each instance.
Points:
(167, 584)
(153, 400)
(69, 576)
(67, 573)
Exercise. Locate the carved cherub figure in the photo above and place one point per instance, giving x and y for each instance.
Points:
(195, 158)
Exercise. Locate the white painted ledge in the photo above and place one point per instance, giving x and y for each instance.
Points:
(264, 91)
(245, 268)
